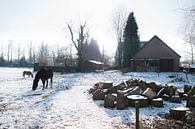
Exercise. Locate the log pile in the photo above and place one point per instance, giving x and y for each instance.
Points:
(124, 94)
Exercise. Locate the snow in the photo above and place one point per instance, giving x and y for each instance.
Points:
(137, 97)
(68, 104)
(96, 62)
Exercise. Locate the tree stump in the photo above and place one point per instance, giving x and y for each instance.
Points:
(143, 101)
(178, 113)
(157, 102)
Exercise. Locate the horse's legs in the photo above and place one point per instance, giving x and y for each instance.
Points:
(51, 81)
(43, 81)
(47, 83)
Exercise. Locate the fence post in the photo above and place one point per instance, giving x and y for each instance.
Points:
(137, 114)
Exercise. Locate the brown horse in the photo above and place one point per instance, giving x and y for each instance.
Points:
(29, 73)
(43, 74)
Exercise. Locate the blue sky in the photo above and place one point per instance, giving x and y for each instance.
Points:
(45, 20)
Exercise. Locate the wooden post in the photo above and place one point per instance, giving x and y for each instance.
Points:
(187, 76)
(137, 114)
(186, 72)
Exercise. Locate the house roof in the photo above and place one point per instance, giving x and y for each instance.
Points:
(142, 43)
(96, 62)
(146, 52)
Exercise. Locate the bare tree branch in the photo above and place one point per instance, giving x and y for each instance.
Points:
(118, 21)
(72, 37)
(189, 30)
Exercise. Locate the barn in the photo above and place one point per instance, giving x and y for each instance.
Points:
(93, 65)
(155, 55)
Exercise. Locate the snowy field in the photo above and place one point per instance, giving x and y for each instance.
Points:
(68, 105)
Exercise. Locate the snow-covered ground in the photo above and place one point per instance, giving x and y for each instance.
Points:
(68, 104)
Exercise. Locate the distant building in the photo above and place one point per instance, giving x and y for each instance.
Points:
(155, 55)
(92, 65)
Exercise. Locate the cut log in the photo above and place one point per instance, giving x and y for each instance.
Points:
(135, 91)
(114, 89)
(187, 88)
(121, 100)
(143, 101)
(154, 87)
(161, 92)
(180, 92)
(175, 99)
(103, 85)
(193, 117)
(142, 85)
(170, 90)
(191, 101)
(166, 97)
(99, 95)
(178, 113)
(109, 101)
(157, 102)
(132, 82)
(191, 92)
(185, 97)
(149, 93)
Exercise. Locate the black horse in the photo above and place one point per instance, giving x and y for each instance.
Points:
(43, 74)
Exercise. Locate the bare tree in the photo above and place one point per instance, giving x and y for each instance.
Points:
(34, 55)
(43, 54)
(2, 60)
(118, 21)
(9, 48)
(53, 54)
(30, 53)
(11, 52)
(19, 53)
(189, 29)
(79, 42)
(63, 57)
(2, 53)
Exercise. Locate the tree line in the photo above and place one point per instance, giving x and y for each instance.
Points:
(26, 56)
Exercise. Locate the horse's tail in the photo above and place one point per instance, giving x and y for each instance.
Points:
(23, 73)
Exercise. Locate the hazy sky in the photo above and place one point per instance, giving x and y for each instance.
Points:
(45, 20)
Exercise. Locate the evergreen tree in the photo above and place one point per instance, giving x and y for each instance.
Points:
(131, 40)
(93, 51)
(118, 54)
